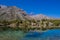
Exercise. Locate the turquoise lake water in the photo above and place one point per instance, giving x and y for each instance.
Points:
(18, 35)
(47, 35)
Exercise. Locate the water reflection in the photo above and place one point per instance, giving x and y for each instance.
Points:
(48, 35)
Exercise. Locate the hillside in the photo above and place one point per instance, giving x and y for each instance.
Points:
(11, 13)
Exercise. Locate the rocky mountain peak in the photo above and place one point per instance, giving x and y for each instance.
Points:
(11, 13)
(40, 16)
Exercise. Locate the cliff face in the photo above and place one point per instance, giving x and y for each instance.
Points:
(11, 13)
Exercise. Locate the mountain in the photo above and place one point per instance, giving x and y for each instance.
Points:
(11, 13)
(40, 17)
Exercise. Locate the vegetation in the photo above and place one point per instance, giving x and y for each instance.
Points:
(27, 25)
(56, 22)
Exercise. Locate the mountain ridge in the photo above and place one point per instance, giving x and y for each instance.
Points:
(40, 17)
(13, 12)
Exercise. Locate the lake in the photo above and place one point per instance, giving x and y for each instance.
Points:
(19, 35)
(46, 35)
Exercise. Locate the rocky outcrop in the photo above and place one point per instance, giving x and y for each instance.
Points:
(11, 13)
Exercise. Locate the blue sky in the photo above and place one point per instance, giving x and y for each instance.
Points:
(47, 7)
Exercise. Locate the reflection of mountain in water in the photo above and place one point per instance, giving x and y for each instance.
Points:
(48, 35)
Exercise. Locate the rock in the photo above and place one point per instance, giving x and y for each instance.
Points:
(12, 13)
